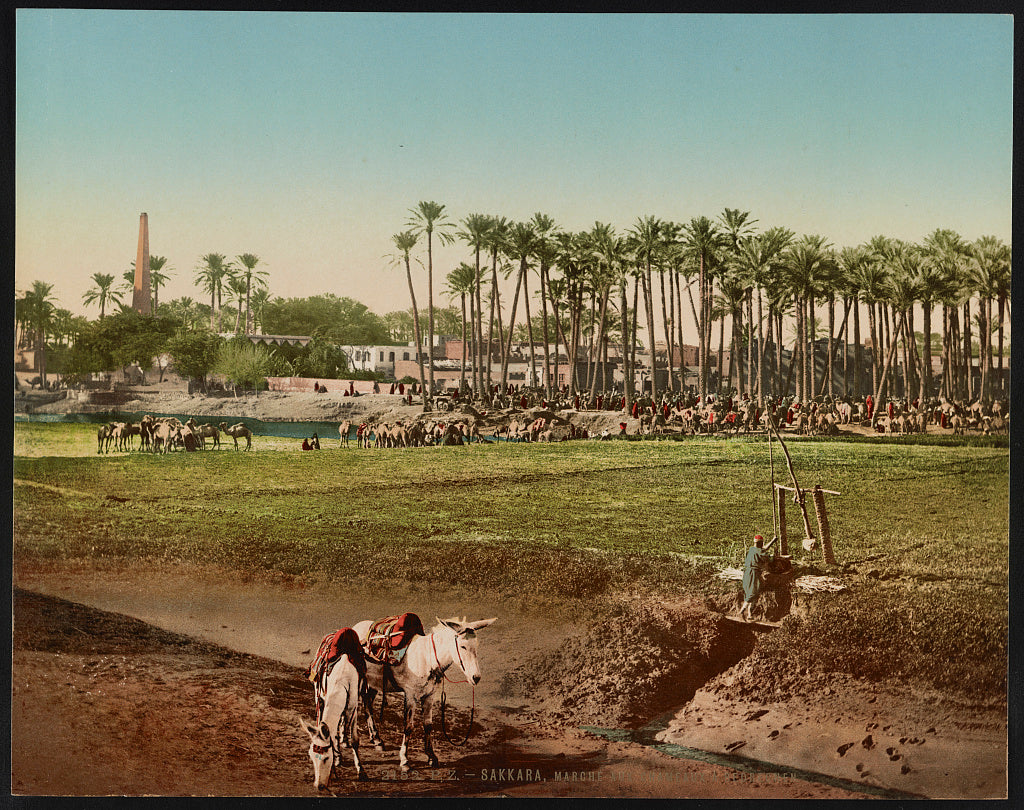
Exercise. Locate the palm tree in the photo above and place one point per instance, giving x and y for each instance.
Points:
(1003, 280)
(103, 293)
(904, 292)
(249, 262)
(462, 281)
(405, 242)
(36, 309)
(729, 302)
(428, 218)
(210, 276)
(704, 243)
(569, 260)
(933, 284)
(157, 278)
(947, 252)
(258, 301)
(604, 270)
(646, 242)
(867, 276)
(989, 260)
(756, 260)
(545, 251)
(475, 231)
(808, 265)
(736, 224)
(521, 240)
(496, 241)
(851, 261)
(237, 287)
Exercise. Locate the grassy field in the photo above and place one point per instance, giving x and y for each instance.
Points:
(920, 531)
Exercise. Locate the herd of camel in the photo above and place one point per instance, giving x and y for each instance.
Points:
(162, 434)
(417, 433)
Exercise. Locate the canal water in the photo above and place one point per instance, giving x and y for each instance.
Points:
(287, 430)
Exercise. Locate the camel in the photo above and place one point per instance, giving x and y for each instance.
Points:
(343, 431)
(146, 426)
(204, 432)
(103, 436)
(237, 432)
(164, 435)
(189, 439)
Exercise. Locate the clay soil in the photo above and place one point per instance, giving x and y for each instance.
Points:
(187, 682)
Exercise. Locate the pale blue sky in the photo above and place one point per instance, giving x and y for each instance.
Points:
(305, 138)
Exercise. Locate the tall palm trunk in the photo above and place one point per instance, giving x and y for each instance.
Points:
(925, 389)
(511, 324)
(1002, 314)
(529, 333)
(547, 339)
(476, 327)
(873, 330)
(462, 359)
(600, 339)
(679, 326)
(416, 330)
(648, 286)
(495, 303)
(761, 349)
(968, 354)
(811, 371)
(751, 349)
(627, 379)
(858, 350)
(830, 387)
(881, 391)
(668, 316)
(576, 334)
(702, 342)
(800, 353)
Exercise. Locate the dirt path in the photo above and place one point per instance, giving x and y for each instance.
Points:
(199, 693)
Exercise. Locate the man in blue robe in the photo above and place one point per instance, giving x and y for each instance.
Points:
(756, 561)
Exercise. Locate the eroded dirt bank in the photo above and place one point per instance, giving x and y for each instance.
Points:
(208, 684)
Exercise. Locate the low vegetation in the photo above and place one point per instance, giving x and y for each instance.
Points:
(921, 532)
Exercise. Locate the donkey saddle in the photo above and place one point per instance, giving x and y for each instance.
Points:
(388, 639)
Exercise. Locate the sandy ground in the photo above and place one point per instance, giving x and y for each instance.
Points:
(199, 694)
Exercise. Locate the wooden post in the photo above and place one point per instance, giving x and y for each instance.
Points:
(783, 537)
(823, 527)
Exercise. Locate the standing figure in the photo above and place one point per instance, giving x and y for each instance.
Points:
(755, 562)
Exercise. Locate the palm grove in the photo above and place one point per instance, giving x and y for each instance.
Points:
(769, 287)
(593, 285)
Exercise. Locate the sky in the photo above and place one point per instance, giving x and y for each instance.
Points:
(306, 138)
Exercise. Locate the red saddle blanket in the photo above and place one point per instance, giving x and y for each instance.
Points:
(388, 638)
(336, 644)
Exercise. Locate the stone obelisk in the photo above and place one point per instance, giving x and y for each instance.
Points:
(142, 294)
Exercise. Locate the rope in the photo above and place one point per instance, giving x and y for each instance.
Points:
(444, 725)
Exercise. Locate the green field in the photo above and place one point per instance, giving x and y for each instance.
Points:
(920, 531)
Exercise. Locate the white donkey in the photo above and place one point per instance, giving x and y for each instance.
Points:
(428, 658)
(339, 678)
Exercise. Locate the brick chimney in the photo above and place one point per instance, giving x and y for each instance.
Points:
(142, 295)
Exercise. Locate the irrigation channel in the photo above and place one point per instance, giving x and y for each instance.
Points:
(285, 430)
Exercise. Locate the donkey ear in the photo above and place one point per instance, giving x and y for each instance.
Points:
(452, 624)
(481, 624)
(308, 727)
